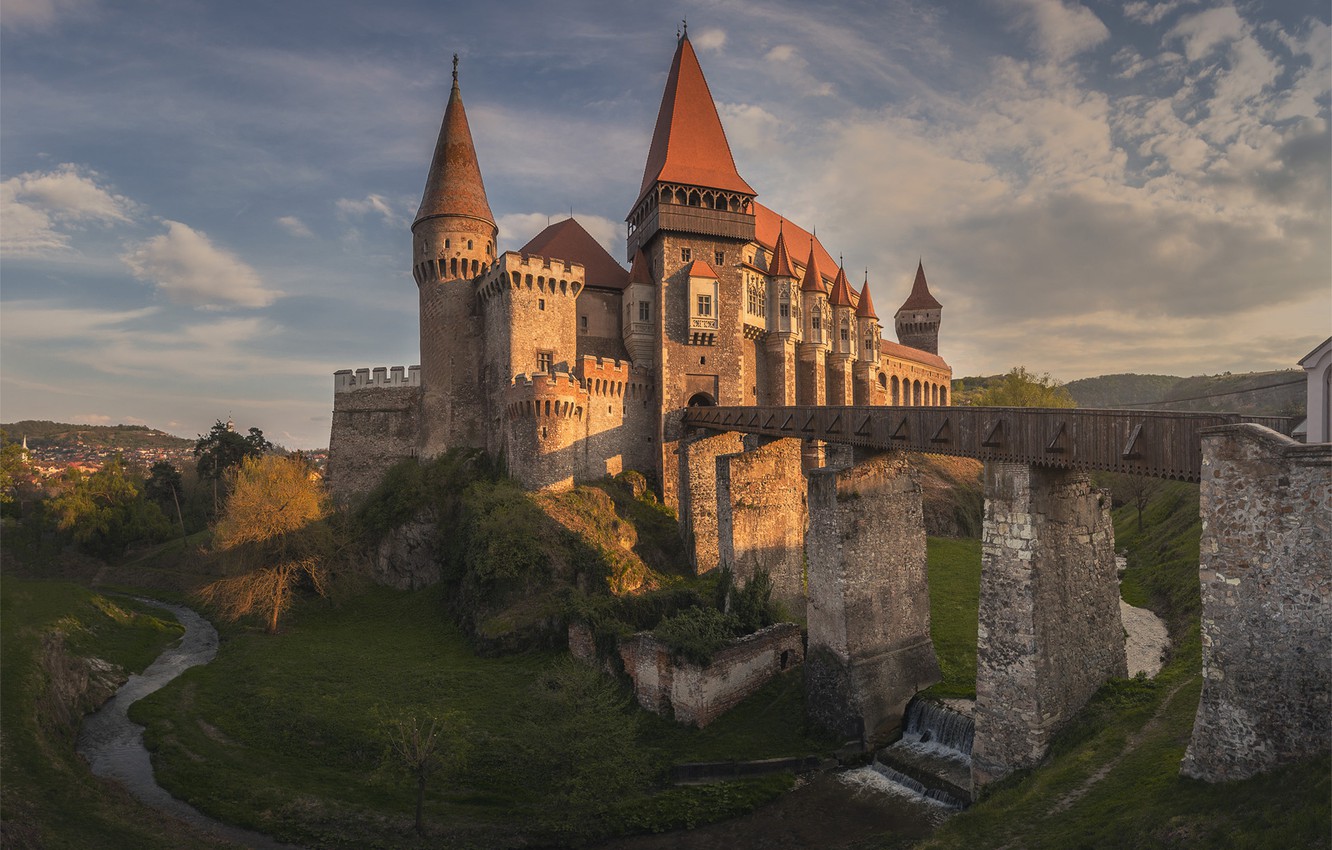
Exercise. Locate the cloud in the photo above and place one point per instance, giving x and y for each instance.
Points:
(91, 419)
(371, 204)
(1060, 29)
(191, 270)
(710, 39)
(39, 208)
(294, 226)
(1205, 31)
(40, 15)
(781, 53)
(1153, 13)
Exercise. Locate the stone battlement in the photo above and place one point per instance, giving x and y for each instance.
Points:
(516, 271)
(347, 380)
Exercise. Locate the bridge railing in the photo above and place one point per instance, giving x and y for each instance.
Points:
(1162, 444)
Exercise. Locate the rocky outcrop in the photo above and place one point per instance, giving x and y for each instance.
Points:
(407, 557)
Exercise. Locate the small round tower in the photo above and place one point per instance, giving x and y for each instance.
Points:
(453, 244)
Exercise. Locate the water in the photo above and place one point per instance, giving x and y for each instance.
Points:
(113, 745)
(933, 758)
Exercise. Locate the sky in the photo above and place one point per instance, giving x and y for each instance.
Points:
(205, 206)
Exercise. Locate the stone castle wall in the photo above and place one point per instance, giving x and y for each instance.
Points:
(376, 423)
(762, 517)
(1266, 572)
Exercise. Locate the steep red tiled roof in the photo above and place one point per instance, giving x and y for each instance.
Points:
(768, 225)
(904, 352)
(841, 291)
(689, 144)
(865, 307)
(698, 268)
(920, 297)
(781, 263)
(567, 240)
(454, 185)
(639, 270)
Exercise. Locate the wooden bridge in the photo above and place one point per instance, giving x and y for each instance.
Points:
(1161, 444)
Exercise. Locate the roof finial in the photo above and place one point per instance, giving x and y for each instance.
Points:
(685, 23)
(455, 69)
(867, 275)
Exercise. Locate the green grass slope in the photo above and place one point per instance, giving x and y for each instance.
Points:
(50, 799)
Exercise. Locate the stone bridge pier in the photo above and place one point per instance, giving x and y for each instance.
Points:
(1049, 627)
(869, 604)
(1266, 572)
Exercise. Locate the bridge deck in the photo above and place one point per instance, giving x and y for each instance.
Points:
(1162, 444)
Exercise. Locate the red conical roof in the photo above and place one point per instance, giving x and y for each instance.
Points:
(813, 280)
(865, 309)
(841, 291)
(567, 240)
(689, 145)
(454, 185)
(781, 263)
(920, 297)
(639, 270)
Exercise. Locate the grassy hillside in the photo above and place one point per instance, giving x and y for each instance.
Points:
(43, 433)
(49, 631)
(1120, 390)
(1279, 393)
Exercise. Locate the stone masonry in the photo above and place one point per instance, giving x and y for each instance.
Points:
(698, 496)
(869, 608)
(1266, 577)
(1050, 631)
(761, 517)
(376, 417)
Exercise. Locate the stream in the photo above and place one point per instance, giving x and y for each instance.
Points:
(112, 744)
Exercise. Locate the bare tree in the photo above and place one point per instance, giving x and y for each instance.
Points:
(421, 745)
(272, 534)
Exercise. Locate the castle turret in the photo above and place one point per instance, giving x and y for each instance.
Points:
(453, 243)
(811, 387)
(868, 332)
(918, 318)
(782, 324)
(843, 340)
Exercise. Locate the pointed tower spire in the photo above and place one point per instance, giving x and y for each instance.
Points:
(639, 270)
(689, 145)
(781, 262)
(813, 280)
(841, 290)
(454, 185)
(865, 309)
(920, 297)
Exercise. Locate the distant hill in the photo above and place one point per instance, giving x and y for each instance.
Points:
(1279, 393)
(44, 434)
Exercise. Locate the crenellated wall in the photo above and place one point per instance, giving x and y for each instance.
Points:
(1049, 629)
(1266, 573)
(545, 417)
(376, 423)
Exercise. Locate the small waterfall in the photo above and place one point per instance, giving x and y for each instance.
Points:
(937, 795)
(929, 722)
(933, 758)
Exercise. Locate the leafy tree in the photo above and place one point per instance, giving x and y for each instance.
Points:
(222, 449)
(16, 474)
(1020, 388)
(105, 512)
(273, 536)
(164, 487)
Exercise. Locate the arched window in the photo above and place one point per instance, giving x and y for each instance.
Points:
(897, 391)
(915, 393)
(700, 400)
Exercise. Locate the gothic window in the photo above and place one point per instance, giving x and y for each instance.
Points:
(704, 305)
(469, 244)
(846, 332)
(784, 310)
(644, 311)
(720, 257)
(685, 255)
(752, 302)
(816, 320)
(545, 360)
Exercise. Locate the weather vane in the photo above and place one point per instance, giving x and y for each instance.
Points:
(455, 67)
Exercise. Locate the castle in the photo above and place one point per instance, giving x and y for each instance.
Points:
(570, 367)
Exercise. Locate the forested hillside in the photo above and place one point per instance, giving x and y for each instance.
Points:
(41, 433)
